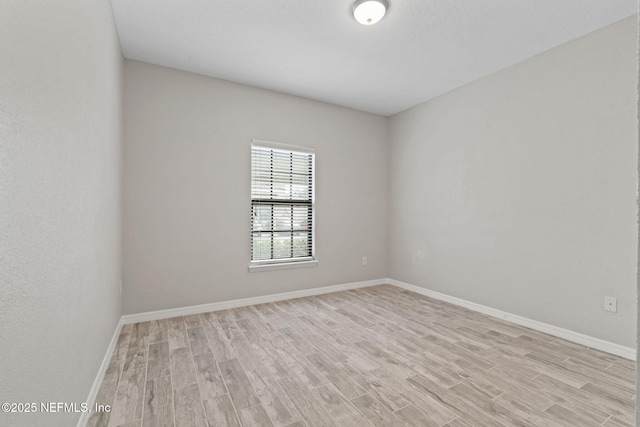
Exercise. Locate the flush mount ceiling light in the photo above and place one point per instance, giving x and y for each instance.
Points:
(368, 12)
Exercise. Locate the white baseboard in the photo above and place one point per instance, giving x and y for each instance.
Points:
(224, 305)
(97, 382)
(596, 343)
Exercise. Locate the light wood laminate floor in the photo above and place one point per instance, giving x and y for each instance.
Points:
(376, 356)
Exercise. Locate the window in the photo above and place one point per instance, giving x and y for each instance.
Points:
(282, 204)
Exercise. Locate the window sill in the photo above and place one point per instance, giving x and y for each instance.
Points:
(282, 266)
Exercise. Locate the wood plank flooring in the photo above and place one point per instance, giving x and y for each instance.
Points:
(377, 356)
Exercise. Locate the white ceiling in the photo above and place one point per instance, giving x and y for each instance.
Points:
(316, 49)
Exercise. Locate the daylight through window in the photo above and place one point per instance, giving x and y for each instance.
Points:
(282, 208)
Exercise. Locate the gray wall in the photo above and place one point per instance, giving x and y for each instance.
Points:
(60, 220)
(186, 180)
(638, 273)
(518, 191)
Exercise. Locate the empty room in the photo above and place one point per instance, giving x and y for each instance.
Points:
(318, 213)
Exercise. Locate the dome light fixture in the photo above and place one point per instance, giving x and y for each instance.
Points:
(368, 12)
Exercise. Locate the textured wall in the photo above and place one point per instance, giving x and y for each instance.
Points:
(186, 180)
(60, 167)
(518, 191)
(638, 265)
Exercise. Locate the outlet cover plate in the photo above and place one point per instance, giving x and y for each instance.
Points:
(611, 304)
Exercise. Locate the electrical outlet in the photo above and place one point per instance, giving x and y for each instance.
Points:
(364, 260)
(611, 304)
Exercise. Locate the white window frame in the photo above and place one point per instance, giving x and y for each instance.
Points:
(287, 263)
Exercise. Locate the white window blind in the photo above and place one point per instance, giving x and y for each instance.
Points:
(282, 208)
